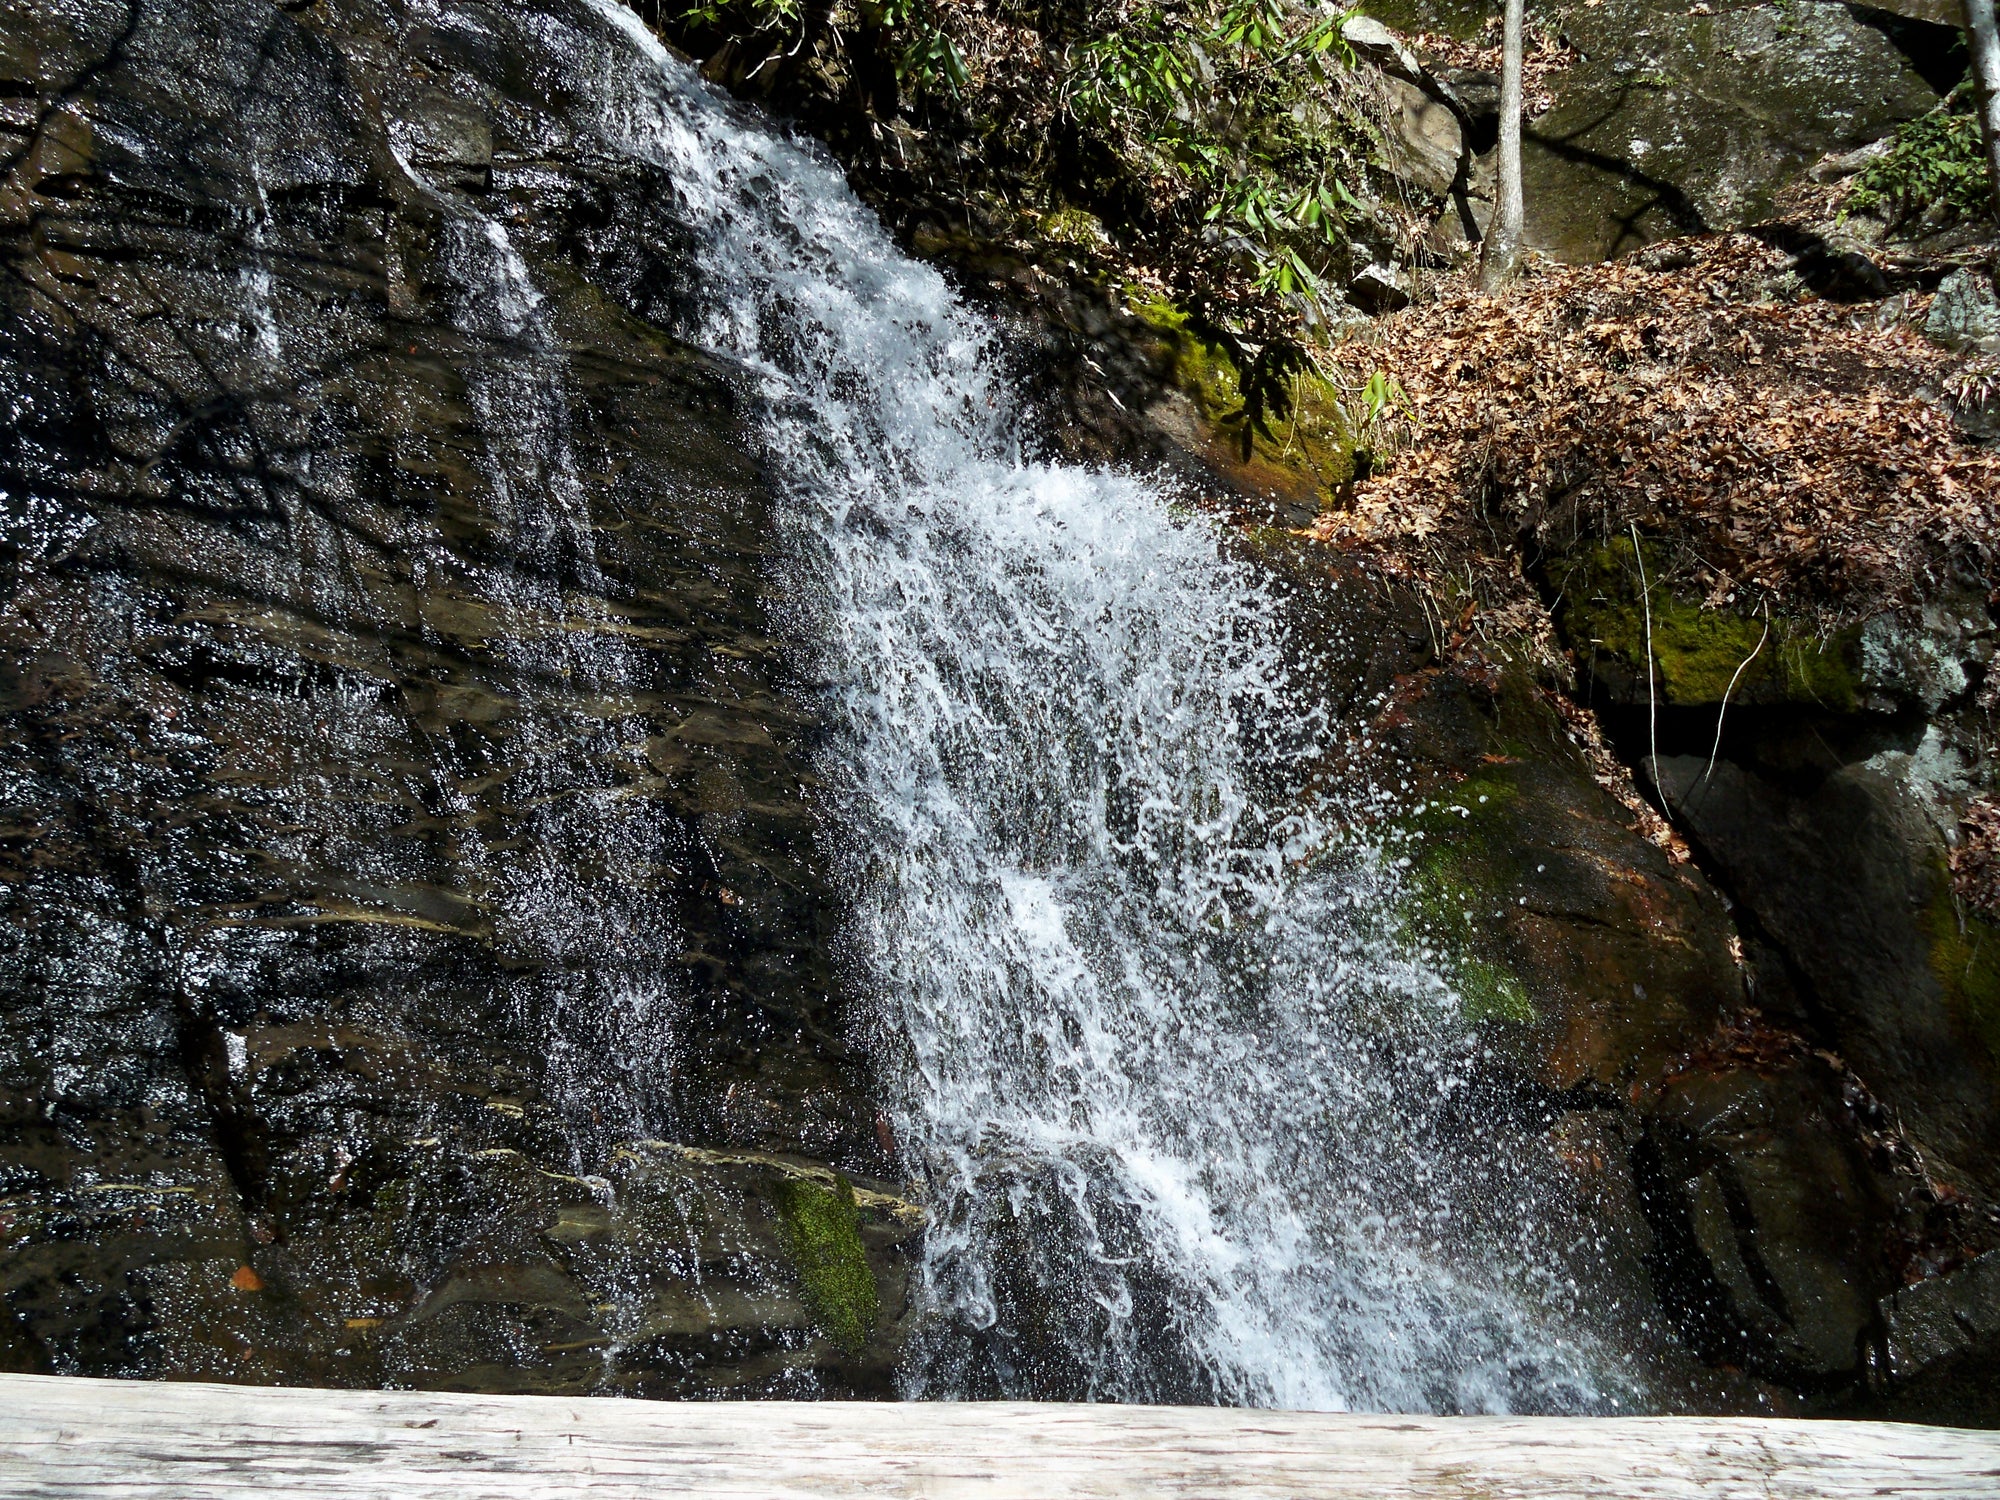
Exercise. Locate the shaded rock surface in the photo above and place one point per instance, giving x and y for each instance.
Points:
(1942, 1337)
(1849, 876)
(1676, 119)
(1821, 778)
(406, 817)
(1680, 119)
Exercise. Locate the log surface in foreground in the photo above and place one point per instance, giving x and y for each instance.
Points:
(106, 1439)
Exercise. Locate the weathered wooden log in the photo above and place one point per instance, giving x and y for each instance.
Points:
(108, 1439)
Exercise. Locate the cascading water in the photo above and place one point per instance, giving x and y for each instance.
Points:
(1179, 1093)
(546, 585)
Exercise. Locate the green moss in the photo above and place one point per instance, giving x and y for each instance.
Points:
(1315, 442)
(1460, 855)
(823, 1234)
(1965, 957)
(1075, 226)
(1464, 19)
(1490, 993)
(1697, 651)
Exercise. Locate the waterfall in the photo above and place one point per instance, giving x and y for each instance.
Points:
(1178, 1086)
(602, 1014)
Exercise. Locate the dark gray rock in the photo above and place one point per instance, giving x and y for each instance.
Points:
(1767, 1220)
(1379, 288)
(1944, 1319)
(1847, 874)
(1474, 91)
(1679, 118)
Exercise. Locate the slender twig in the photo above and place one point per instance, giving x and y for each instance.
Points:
(1732, 688)
(1652, 700)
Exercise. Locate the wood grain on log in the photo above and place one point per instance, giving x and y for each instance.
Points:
(109, 1440)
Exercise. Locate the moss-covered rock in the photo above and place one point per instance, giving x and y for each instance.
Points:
(1588, 955)
(823, 1235)
(1965, 958)
(1699, 655)
(1307, 455)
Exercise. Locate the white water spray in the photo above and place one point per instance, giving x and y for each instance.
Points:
(1180, 1096)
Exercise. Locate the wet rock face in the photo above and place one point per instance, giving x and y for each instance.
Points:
(405, 811)
(1942, 1338)
(1767, 1221)
(1855, 1148)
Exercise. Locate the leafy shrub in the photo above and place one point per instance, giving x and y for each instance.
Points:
(1935, 164)
(1180, 89)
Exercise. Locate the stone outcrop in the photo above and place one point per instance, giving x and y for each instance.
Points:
(1675, 119)
(1965, 313)
(1848, 876)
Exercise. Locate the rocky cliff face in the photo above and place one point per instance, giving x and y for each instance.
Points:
(416, 967)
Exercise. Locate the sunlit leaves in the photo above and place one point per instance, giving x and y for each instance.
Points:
(1181, 85)
(932, 59)
(1934, 163)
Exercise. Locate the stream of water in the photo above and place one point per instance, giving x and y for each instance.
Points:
(1180, 1093)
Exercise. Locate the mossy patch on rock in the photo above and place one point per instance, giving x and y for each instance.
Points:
(1697, 652)
(823, 1233)
(1308, 454)
(1965, 957)
(1075, 226)
(1459, 859)
(1488, 992)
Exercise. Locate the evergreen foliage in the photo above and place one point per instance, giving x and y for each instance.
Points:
(1935, 166)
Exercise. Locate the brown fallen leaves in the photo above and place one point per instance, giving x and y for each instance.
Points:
(1975, 862)
(1544, 54)
(1785, 444)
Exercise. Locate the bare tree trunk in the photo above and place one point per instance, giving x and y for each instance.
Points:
(1500, 255)
(1985, 42)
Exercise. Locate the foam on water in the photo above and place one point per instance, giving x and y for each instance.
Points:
(1180, 1093)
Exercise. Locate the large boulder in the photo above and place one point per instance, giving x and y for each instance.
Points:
(1677, 118)
(1848, 874)
(1682, 118)
(1769, 1248)
(1941, 1344)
